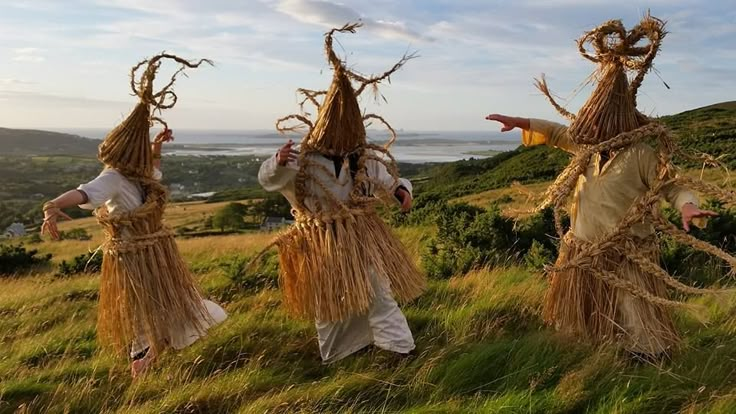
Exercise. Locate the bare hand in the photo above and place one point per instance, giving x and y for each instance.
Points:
(286, 154)
(49, 222)
(166, 135)
(509, 122)
(404, 198)
(690, 211)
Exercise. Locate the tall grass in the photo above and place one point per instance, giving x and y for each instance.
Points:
(481, 347)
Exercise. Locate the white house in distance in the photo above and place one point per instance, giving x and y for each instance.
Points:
(15, 230)
(273, 223)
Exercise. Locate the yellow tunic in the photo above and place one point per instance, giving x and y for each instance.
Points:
(579, 303)
(603, 196)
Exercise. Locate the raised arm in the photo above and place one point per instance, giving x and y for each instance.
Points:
(88, 196)
(166, 135)
(537, 131)
(279, 170)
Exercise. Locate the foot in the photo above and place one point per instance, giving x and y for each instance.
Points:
(140, 366)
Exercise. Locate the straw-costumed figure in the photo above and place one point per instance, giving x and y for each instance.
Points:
(146, 289)
(612, 285)
(328, 256)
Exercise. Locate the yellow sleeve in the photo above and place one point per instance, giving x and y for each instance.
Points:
(548, 133)
(675, 194)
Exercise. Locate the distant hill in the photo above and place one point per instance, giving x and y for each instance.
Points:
(711, 129)
(35, 142)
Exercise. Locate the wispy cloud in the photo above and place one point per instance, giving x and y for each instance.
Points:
(476, 56)
(28, 54)
(329, 14)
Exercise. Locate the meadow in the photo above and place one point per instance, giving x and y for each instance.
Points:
(481, 347)
(481, 344)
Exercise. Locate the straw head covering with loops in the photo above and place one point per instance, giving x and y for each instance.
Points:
(611, 108)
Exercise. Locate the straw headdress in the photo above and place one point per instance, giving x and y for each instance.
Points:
(127, 147)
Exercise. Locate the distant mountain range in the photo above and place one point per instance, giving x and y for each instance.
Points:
(37, 142)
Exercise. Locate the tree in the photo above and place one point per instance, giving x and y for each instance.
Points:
(273, 206)
(230, 217)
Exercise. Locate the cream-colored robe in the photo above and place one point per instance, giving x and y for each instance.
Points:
(601, 200)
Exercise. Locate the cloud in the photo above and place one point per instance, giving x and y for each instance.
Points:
(28, 54)
(328, 14)
(14, 81)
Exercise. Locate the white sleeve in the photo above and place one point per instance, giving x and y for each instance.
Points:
(274, 177)
(157, 174)
(380, 175)
(101, 189)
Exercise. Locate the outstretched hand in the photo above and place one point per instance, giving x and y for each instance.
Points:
(690, 211)
(509, 122)
(49, 222)
(404, 198)
(166, 135)
(286, 154)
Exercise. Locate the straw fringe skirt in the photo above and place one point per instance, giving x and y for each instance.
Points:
(578, 303)
(325, 267)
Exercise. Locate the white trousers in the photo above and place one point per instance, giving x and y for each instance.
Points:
(383, 325)
(190, 335)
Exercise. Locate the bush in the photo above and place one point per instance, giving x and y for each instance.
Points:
(538, 256)
(470, 236)
(691, 265)
(16, 259)
(244, 280)
(87, 263)
(75, 234)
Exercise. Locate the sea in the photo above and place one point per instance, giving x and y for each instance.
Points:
(410, 146)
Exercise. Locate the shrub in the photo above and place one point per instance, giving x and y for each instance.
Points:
(691, 265)
(263, 276)
(15, 259)
(538, 256)
(470, 236)
(87, 263)
(75, 234)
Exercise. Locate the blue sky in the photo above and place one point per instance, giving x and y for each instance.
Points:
(64, 64)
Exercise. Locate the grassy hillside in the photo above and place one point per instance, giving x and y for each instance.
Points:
(34, 142)
(481, 344)
(481, 348)
(711, 129)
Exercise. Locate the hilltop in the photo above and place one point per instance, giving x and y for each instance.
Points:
(711, 129)
(36, 142)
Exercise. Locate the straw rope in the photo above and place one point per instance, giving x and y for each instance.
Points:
(590, 277)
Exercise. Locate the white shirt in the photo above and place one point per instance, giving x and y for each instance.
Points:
(274, 177)
(115, 191)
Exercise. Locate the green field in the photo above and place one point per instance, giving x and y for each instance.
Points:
(481, 344)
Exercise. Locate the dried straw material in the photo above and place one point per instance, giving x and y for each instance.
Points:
(127, 147)
(591, 280)
(328, 255)
(146, 288)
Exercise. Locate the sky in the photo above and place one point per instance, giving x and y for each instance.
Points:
(65, 64)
